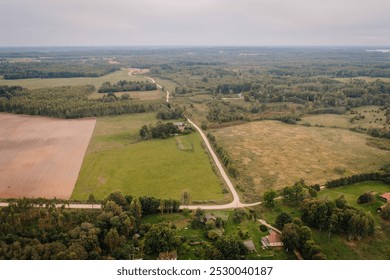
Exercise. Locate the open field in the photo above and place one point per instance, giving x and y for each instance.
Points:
(271, 154)
(371, 117)
(115, 161)
(41, 157)
(352, 192)
(59, 82)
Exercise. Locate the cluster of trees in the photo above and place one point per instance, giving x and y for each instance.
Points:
(45, 70)
(337, 217)
(68, 102)
(170, 113)
(224, 111)
(374, 132)
(124, 85)
(296, 236)
(233, 88)
(375, 176)
(218, 246)
(113, 232)
(296, 193)
(224, 156)
(385, 213)
(162, 130)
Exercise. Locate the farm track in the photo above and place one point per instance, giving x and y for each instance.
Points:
(236, 203)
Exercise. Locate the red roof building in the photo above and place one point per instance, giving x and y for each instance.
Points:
(386, 196)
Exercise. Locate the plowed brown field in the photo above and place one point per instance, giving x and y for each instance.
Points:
(41, 157)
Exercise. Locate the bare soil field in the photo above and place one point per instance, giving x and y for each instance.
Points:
(270, 154)
(41, 157)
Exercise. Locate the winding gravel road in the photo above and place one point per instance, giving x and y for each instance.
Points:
(236, 203)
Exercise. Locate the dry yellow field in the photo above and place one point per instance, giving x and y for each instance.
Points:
(271, 154)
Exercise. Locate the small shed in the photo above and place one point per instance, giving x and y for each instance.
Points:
(250, 245)
(170, 255)
(209, 217)
(180, 125)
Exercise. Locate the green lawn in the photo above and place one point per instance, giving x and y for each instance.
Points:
(352, 192)
(117, 161)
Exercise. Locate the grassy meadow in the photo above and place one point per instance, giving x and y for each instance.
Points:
(271, 154)
(97, 82)
(352, 192)
(117, 161)
(373, 117)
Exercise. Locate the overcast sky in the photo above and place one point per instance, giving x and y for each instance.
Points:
(198, 22)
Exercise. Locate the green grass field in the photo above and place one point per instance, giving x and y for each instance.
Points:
(117, 161)
(352, 192)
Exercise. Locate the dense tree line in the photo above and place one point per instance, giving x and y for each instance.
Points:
(49, 232)
(68, 102)
(224, 156)
(47, 70)
(375, 176)
(124, 85)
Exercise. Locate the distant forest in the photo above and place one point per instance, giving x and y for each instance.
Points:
(12, 71)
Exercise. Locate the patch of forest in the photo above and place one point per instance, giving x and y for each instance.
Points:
(47, 70)
(124, 85)
(30, 230)
(69, 102)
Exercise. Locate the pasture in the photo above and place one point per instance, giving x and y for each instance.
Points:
(352, 192)
(271, 154)
(59, 82)
(117, 161)
(366, 117)
(41, 157)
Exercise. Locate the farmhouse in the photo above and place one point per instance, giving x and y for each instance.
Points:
(180, 125)
(272, 240)
(386, 197)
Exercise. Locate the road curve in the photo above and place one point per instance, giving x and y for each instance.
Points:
(236, 203)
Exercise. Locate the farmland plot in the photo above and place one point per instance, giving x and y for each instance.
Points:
(41, 157)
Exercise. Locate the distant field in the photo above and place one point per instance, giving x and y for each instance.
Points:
(41, 83)
(271, 154)
(373, 118)
(116, 161)
(41, 157)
